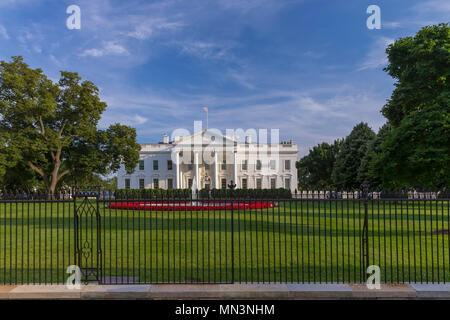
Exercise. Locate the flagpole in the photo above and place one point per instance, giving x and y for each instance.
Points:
(207, 112)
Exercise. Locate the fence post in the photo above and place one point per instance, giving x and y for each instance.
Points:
(232, 235)
(99, 238)
(75, 227)
(365, 235)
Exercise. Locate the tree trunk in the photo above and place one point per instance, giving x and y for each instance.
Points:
(54, 181)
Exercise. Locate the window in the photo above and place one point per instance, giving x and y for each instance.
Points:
(258, 164)
(224, 164)
(141, 184)
(244, 164)
(190, 183)
(169, 183)
(169, 165)
(224, 183)
(155, 183)
(287, 183)
(244, 183)
(287, 164)
(127, 183)
(273, 164)
(258, 183)
(190, 166)
(155, 164)
(273, 183)
(141, 165)
(206, 166)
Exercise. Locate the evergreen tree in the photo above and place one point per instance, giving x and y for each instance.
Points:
(367, 172)
(348, 160)
(314, 169)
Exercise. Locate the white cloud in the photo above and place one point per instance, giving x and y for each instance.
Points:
(376, 58)
(25, 36)
(109, 48)
(92, 53)
(242, 79)
(10, 3)
(207, 49)
(3, 32)
(124, 119)
(391, 24)
(440, 6)
(421, 14)
(146, 28)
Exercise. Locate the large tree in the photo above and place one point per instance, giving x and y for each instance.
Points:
(348, 161)
(367, 173)
(314, 169)
(52, 127)
(416, 152)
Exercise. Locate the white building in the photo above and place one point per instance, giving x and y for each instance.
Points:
(212, 161)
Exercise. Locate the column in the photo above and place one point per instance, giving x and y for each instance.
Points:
(235, 168)
(177, 170)
(216, 171)
(196, 177)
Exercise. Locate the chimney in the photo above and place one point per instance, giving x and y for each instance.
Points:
(248, 139)
(165, 138)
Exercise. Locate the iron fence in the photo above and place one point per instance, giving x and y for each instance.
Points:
(178, 237)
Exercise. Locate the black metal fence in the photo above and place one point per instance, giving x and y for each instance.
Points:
(131, 237)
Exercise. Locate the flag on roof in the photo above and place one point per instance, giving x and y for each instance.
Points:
(205, 109)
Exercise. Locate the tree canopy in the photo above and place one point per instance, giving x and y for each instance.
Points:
(314, 169)
(348, 160)
(51, 128)
(416, 151)
(367, 173)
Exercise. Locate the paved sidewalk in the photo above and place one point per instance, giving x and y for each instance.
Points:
(228, 291)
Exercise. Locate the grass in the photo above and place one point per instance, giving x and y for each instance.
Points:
(301, 241)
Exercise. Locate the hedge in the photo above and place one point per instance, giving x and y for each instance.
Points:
(183, 194)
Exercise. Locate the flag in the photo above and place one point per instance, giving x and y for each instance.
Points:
(205, 109)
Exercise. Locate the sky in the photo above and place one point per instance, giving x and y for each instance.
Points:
(310, 68)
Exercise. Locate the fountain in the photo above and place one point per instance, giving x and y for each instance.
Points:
(194, 190)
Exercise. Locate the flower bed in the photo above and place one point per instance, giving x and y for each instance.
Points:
(196, 206)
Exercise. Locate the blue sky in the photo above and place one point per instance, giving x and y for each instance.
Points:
(310, 68)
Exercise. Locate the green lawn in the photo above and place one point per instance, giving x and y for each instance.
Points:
(301, 241)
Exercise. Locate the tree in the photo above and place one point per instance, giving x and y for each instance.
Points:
(367, 172)
(52, 127)
(348, 161)
(314, 170)
(416, 152)
(94, 180)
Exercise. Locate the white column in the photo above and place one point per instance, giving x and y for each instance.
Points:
(235, 168)
(196, 169)
(177, 170)
(216, 171)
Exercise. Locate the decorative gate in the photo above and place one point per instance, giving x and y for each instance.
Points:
(88, 252)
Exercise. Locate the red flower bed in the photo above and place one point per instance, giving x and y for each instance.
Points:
(196, 206)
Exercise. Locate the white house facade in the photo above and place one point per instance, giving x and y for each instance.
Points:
(211, 160)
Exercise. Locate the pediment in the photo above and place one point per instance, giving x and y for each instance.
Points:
(205, 138)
